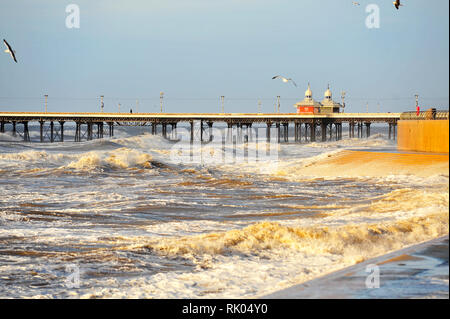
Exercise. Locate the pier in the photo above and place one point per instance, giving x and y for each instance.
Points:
(88, 126)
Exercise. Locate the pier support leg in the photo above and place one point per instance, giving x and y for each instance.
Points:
(313, 131)
(390, 130)
(2, 127)
(14, 130)
(367, 130)
(201, 131)
(26, 133)
(164, 130)
(89, 131)
(306, 132)
(278, 132)
(192, 132)
(324, 132)
(229, 132)
(111, 129)
(52, 126)
(98, 131)
(286, 132)
(394, 126)
(77, 129)
(41, 131)
(239, 132)
(210, 125)
(61, 125)
(269, 126)
(299, 132)
(223, 148)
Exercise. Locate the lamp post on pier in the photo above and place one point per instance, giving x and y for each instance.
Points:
(46, 97)
(161, 97)
(278, 103)
(101, 103)
(343, 100)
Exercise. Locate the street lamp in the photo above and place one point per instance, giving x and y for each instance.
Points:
(278, 103)
(343, 93)
(161, 96)
(46, 97)
(222, 99)
(101, 103)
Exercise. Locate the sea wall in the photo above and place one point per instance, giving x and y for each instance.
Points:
(423, 135)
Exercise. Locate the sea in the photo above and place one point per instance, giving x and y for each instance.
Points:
(140, 216)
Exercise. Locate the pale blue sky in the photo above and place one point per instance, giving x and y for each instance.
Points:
(197, 50)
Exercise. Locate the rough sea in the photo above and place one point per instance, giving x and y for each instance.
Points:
(138, 216)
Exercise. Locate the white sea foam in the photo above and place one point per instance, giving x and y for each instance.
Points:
(197, 231)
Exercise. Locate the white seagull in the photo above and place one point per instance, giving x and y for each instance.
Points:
(285, 80)
(10, 50)
(397, 4)
(356, 3)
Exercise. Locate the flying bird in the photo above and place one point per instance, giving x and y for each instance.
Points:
(10, 50)
(397, 4)
(356, 3)
(285, 80)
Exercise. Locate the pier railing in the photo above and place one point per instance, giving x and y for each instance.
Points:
(430, 114)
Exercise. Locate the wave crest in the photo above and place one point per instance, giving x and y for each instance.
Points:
(350, 241)
(121, 158)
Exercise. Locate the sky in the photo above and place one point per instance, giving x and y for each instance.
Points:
(198, 50)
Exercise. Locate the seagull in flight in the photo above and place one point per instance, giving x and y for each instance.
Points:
(285, 80)
(356, 3)
(10, 50)
(397, 4)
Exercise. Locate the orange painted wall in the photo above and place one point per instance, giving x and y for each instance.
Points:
(306, 110)
(423, 136)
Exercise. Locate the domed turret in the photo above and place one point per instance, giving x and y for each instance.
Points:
(328, 94)
(308, 93)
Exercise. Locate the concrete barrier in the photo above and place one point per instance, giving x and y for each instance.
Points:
(423, 135)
